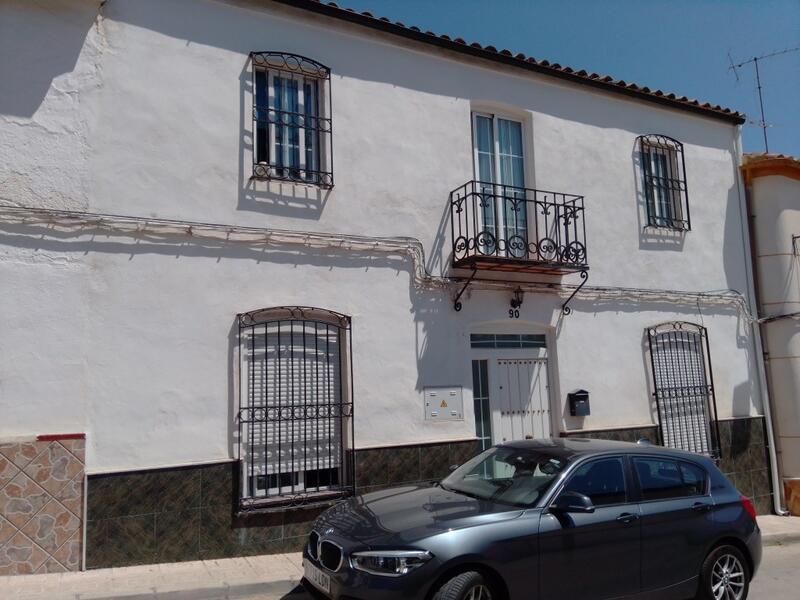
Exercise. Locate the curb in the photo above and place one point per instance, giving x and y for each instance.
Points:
(264, 591)
(780, 539)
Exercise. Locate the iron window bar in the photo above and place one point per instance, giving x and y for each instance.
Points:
(292, 126)
(295, 417)
(683, 387)
(664, 185)
(493, 224)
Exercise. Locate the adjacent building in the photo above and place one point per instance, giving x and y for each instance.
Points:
(263, 255)
(773, 194)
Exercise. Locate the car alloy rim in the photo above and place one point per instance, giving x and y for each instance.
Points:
(727, 578)
(479, 592)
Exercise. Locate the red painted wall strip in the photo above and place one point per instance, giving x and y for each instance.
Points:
(60, 436)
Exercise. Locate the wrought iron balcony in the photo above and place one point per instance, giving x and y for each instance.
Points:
(508, 228)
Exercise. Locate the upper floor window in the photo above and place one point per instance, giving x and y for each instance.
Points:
(500, 170)
(291, 119)
(664, 182)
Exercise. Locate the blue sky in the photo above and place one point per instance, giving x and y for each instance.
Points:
(678, 46)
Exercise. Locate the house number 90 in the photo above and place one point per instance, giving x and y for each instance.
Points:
(513, 313)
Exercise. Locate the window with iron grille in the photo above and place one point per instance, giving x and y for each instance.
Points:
(295, 410)
(664, 182)
(684, 387)
(291, 119)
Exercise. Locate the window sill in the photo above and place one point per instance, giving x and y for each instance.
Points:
(261, 174)
(670, 228)
(251, 506)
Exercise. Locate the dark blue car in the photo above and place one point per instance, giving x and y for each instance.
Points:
(549, 519)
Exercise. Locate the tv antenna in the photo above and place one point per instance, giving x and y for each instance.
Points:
(754, 60)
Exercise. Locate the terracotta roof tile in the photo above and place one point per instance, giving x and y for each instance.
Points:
(491, 53)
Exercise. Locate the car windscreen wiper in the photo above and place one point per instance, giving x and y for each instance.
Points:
(468, 494)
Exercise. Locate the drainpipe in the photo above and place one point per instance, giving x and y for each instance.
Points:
(758, 327)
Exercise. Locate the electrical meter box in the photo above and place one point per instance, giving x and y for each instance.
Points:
(444, 404)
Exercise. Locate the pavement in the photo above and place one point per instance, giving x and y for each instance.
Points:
(276, 576)
(266, 577)
(779, 530)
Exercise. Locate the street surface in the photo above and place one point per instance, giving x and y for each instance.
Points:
(778, 577)
(275, 577)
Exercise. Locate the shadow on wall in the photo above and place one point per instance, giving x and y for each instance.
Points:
(219, 25)
(233, 392)
(440, 256)
(734, 249)
(39, 41)
(648, 377)
(44, 239)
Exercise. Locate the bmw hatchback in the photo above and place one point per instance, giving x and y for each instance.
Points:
(547, 519)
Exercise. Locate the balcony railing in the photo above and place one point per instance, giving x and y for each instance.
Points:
(508, 228)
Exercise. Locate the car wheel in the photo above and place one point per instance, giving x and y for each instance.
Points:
(466, 586)
(725, 575)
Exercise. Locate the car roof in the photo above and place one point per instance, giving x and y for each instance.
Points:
(574, 447)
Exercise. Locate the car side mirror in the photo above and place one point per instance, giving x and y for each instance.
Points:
(572, 502)
(453, 467)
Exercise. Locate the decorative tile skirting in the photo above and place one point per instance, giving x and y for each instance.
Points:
(744, 454)
(191, 513)
(630, 434)
(745, 459)
(379, 468)
(41, 504)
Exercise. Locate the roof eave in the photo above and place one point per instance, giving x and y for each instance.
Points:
(507, 59)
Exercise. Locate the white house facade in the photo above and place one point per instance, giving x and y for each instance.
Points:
(262, 255)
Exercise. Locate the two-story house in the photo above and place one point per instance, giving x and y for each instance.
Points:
(262, 255)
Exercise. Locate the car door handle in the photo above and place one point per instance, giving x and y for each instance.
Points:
(627, 518)
(701, 507)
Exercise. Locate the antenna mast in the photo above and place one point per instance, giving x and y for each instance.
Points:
(754, 60)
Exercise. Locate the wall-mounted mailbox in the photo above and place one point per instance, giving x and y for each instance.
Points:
(578, 403)
(444, 404)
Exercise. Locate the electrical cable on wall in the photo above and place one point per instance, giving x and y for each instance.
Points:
(406, 247)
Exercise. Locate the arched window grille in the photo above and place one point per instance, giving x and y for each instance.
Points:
(664, 182)
(295, 418)
(684, 387)
(291, 119)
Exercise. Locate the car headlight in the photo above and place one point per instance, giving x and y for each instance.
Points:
(391, 563)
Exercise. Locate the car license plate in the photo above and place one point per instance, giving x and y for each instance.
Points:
(317, 577)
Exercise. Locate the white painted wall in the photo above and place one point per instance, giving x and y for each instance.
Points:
(146, 113)
(776, 205)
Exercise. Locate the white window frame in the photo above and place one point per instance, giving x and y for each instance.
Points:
(499, 230)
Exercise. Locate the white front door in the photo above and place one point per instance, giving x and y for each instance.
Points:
(519, 404)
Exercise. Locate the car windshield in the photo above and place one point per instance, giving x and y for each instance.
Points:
(516, 476)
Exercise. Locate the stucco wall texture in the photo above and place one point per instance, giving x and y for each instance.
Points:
(775, 200)
(145, 112)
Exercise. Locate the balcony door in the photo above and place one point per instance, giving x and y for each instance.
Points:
(500, 166)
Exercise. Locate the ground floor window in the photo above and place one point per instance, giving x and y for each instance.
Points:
(295, 414)
(683, 387)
